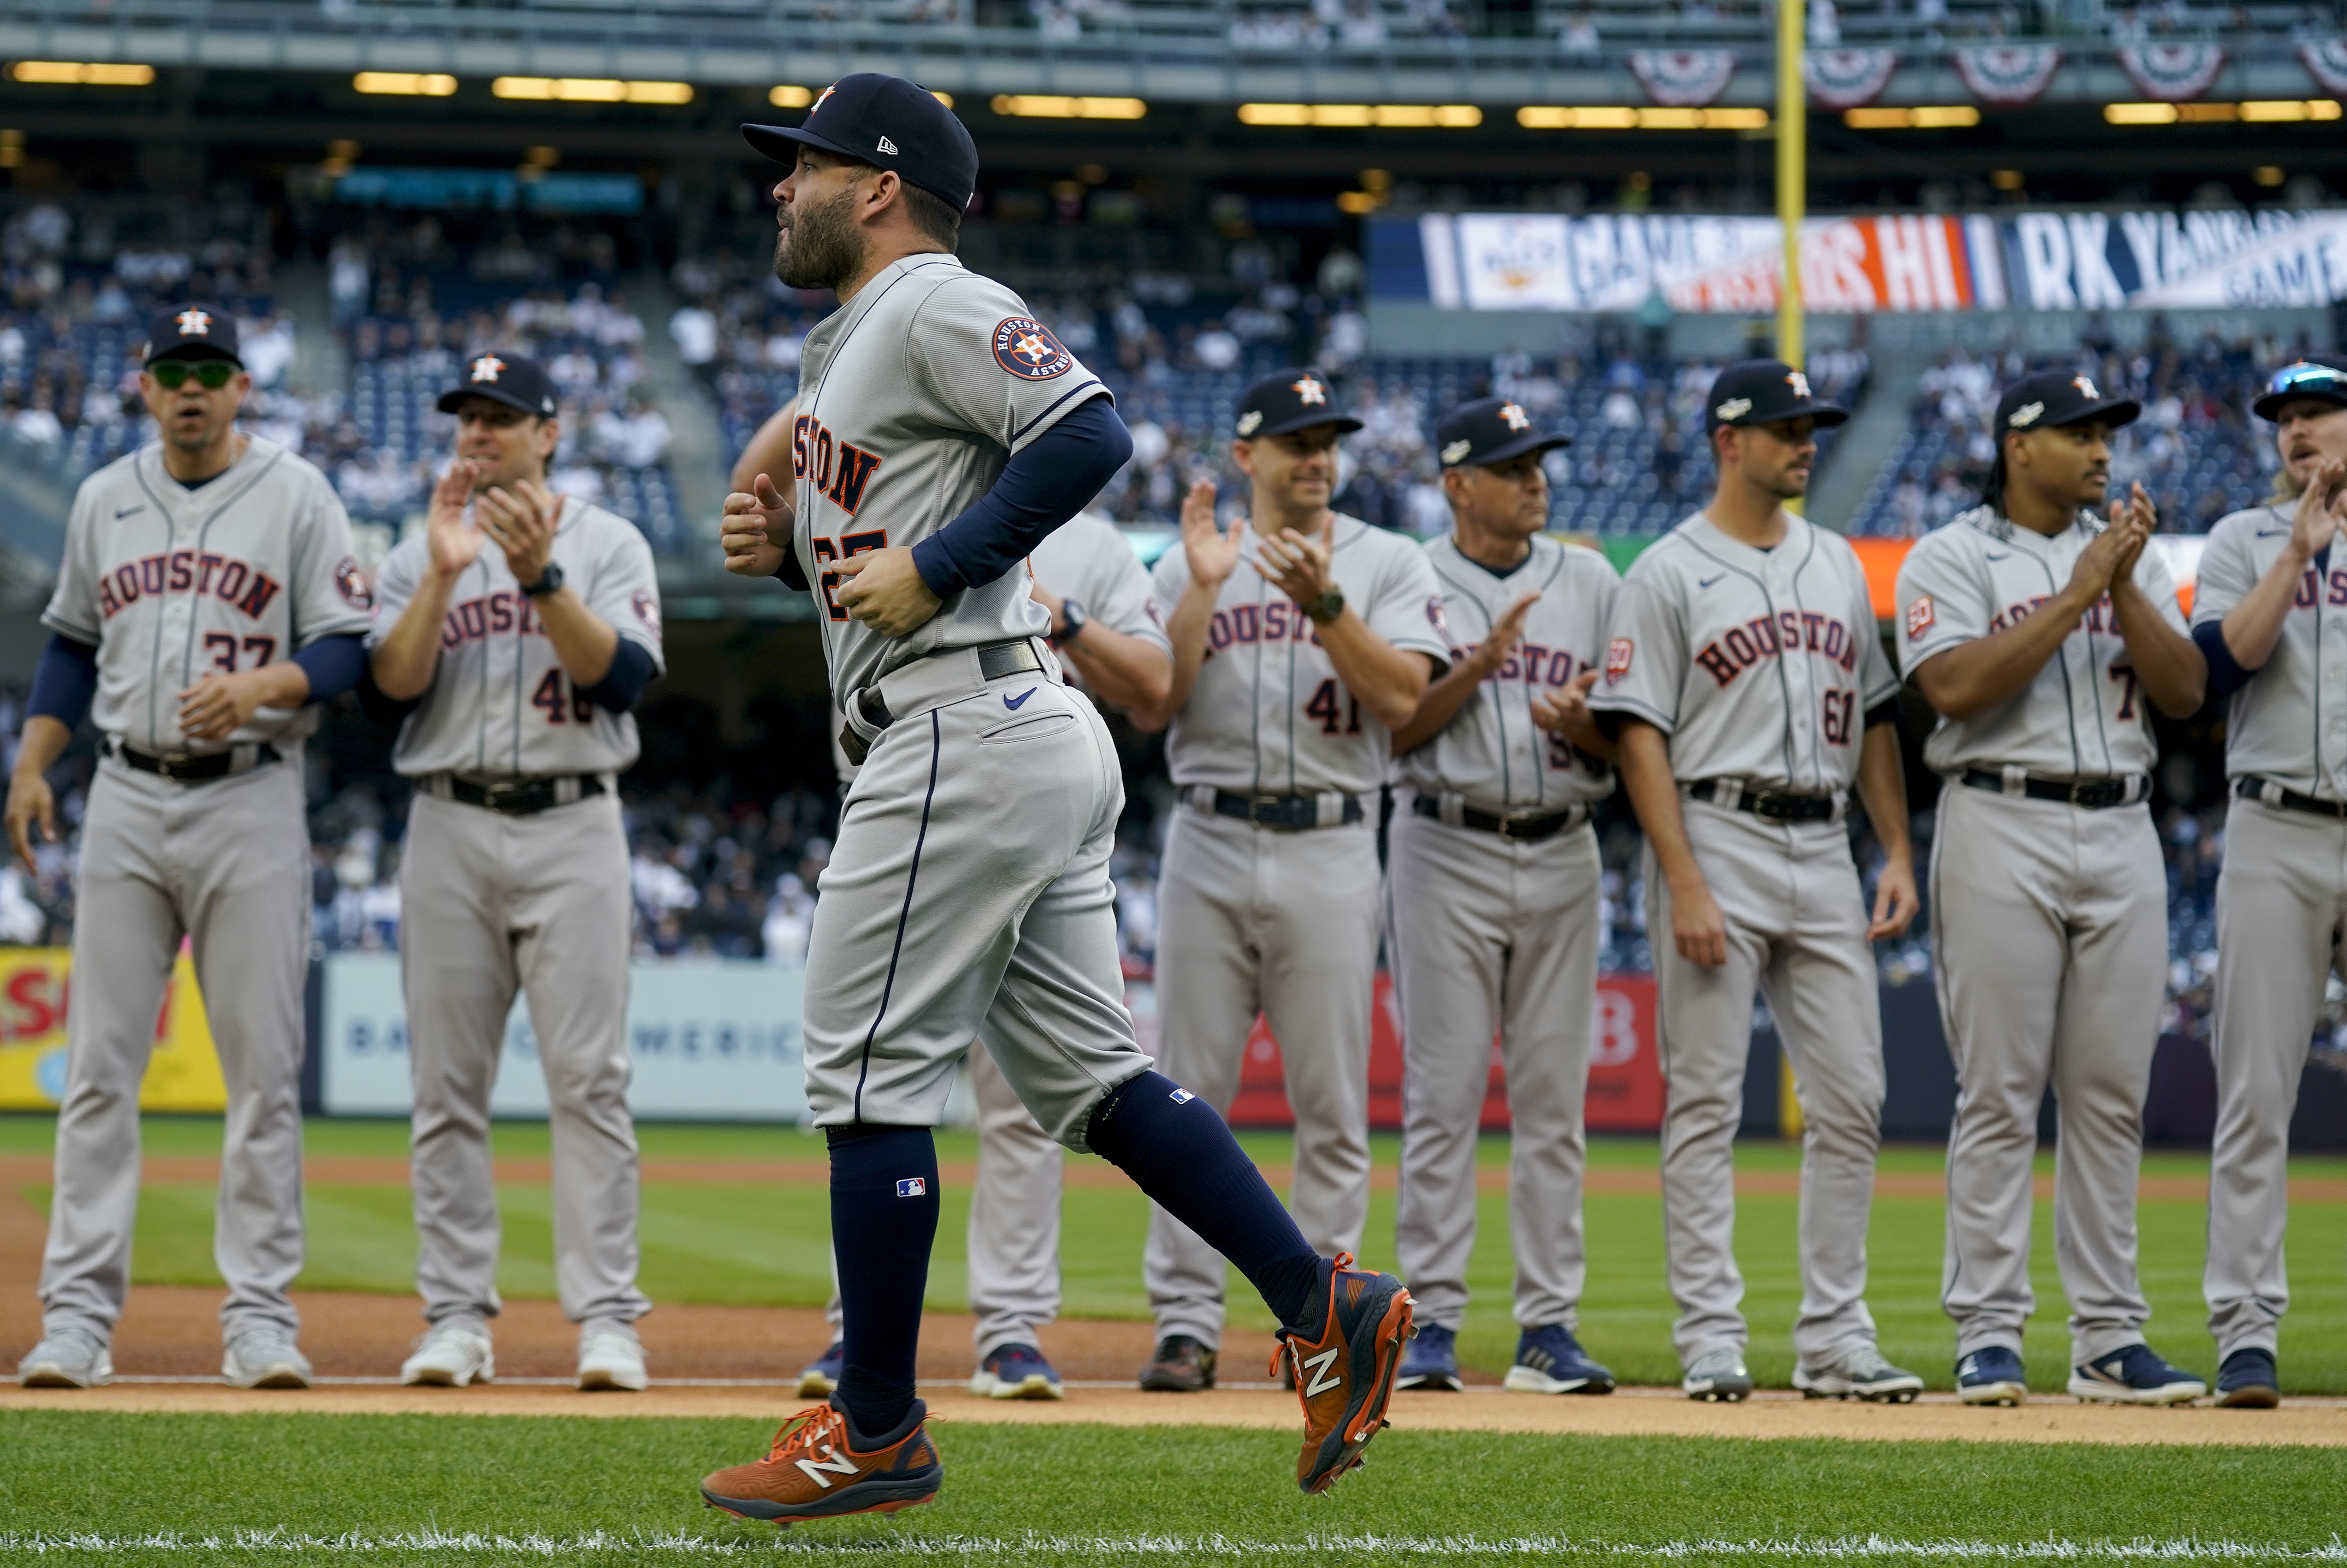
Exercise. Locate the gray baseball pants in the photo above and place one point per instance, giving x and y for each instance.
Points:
(227, 863)
(490, 905)
(2281, 904)
(1488, 935)
(1254, 919)
(1797, 922)
(2050, 926)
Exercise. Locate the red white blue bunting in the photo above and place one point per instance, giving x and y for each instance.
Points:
(2009, 74)
(1683, 78)
(2326, 62)
(2172, 73)
(1846, 79)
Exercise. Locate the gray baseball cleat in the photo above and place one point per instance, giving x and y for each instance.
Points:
(451, 1354)
(264, 1357)
(1860, 1373)
(71, 1358)
(1718, 1375)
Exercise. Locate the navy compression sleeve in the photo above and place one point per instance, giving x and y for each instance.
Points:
(2226, 675)
(624, 681)
(1042, 487)
(334, 665)
(65, 682)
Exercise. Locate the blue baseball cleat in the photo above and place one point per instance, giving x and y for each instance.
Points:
(1016, 1372)
(2248, 1380)
(1550, 1360)
(2134, 1375)
(822, 1374)
(1991, 1376)
(1432, 1360)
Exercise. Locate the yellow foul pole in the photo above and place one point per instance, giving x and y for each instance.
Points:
(1792, 171)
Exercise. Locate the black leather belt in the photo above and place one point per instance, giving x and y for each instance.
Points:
(2089, 794)
(995, 659)
(1768, 804)
(2265, 792)
(522, 797)
(1522, 829)
(187, 769)
(1288, 813)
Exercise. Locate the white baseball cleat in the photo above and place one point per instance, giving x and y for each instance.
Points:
(264, 1357)
(1859, 1373)
(450, 1355)
(68, 1358)
(1718, 1375)
(610, 1357)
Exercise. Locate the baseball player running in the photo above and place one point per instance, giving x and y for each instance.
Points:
(1491, 899)
(516, 631)
(1105, 629)
(2041, 637)
(1302, 639)
(2269, 580)
(208, 601)
(1750, 693)
(941, 432)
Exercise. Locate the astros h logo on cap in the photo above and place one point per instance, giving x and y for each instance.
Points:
(194, 322)
(486, 367)
(1310, 390)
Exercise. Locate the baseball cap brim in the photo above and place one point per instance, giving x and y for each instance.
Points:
(1344, 422)
(780, 143)
(2114, 412)
(1515, 449)
(193, 349)
(450, 402)
(2269, 406)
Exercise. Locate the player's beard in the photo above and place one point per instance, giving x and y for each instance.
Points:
(819, 250)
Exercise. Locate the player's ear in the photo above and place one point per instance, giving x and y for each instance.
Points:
(1243, 456)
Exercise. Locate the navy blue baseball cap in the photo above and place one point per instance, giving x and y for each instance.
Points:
(2321, 376)
(515, 380)
(2047, 398)
(192, 332)
(1489, 430)
(1762, 392)
(1289, 400)
(888, 123)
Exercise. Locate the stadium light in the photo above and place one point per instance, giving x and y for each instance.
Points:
(787, 98)
(591, 90)
(1447, 117)
(405, 84)
(1046, 105)
(2185, 114)
(1550, 117)
(86, 74)
(1922, 116)
(2291, 110)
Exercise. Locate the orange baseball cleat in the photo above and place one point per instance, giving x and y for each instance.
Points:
(816, 1470)
(1346, 1377)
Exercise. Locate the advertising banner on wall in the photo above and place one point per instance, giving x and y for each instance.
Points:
(184, 1074)
(1903, 262)
(714, 1040)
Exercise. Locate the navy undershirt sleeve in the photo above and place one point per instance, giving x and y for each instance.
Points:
(793, 575)
(623, 682)
(2226, 675)
(334, 665)
(65, 682)
(1042, 486)
(1886, 712)
(379, 706)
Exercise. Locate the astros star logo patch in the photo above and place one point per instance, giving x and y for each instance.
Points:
(193, 323)
(1309, 390)
(1799, 383)
(1516, 417)
(1026, 348)
(486, 367)
(2087, 387)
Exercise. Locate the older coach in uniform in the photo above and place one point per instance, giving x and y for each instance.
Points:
(518, 628)
(208, 601)
(1302, 638)
(1491, 900)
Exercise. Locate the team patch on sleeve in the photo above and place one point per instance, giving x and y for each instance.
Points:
(353, 584)
(1026, 348)
(647, 605)
(1617, 660)
(1919, 618)
(1435, 618)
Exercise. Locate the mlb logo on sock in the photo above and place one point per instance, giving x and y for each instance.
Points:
(913, 1187)
(1181, 1097)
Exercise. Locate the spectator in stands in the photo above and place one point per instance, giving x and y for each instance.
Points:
(693, 329)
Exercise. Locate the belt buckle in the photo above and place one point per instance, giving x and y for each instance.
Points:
(172, 766)
(1269, 811)
(499, 794)
(1772, 805)
(1515, 828)
(2094, 794)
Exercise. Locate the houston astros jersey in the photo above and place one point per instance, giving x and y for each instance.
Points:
(2289, 724)
(1491, 754)
(1268, 715)
(1759, 665)
(500, 705)
(912, 397)
(2081, 717)
(245, 569)
(1087, 561)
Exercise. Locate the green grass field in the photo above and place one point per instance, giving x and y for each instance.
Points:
(361, 1238)
(415, 1488)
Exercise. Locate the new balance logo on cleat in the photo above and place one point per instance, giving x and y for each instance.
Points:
(1322, 1379)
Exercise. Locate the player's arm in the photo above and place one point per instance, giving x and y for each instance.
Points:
(1565, 711)
(1986, 673)
(404, 657)
(522, 522)
(1882, 787)
(755, 530)
(64, 684)
(1212, 555)
(769, 450)
(2252, 628)
(1699, 930)
(2169, 665)
(1123, 671)
(1389, 682)
(1457, 686)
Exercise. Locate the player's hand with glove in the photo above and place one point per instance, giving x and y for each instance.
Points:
(883, 588)
(756, 531)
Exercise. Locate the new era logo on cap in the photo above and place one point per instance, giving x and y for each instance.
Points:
(887, 147)
(913, 1187)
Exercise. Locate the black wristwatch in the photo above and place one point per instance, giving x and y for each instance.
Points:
(1326, 608)
(1072, 622)
(550, 583)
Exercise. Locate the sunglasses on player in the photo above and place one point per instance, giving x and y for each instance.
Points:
(211, 374)
(2306, 376)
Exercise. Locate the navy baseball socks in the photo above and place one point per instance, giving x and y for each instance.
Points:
(884, 1221)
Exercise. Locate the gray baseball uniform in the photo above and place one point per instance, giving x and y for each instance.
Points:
(1014, 1209)
(1760, 667)
(168, 582)
(1487, 933)
(1257, 919)
(2281, 904)
(492, 902)
(976, 834)
(2050, 933)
